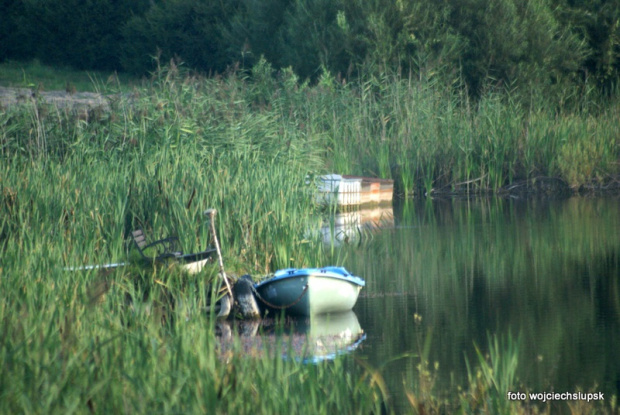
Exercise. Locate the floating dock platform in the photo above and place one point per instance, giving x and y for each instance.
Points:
(346, 190)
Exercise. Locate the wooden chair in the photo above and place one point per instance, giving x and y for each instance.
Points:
(157, 250)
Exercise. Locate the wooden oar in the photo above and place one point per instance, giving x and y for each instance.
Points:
(211, 214)
(89, 267)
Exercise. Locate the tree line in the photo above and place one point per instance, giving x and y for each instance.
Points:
(557, 46)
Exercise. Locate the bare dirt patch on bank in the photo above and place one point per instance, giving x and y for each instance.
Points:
(80, 103)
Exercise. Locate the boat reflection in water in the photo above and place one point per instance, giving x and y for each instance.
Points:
(309, 339)
(352, 225)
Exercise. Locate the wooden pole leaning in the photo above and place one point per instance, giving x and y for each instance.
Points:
(211, 214)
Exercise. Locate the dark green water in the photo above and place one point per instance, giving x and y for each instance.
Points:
(450, 273)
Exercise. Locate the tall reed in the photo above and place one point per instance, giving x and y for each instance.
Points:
(430, 138)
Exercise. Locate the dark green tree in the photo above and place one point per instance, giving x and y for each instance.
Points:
(15, 39)
(84, 34)
(255, 31)
(310, 38)
(188, 30)
(382, 36)
(514, 42)
(596, 22)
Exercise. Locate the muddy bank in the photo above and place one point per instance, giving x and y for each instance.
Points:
(80, 103)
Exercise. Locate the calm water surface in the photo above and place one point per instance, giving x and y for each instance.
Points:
(445, 275)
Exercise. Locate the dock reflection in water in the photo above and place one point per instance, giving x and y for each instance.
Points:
(309, 339)
(354, 224)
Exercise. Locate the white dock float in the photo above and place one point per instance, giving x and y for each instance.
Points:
(333, 188)
(354, 190)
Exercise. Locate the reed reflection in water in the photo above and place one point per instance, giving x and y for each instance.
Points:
(453, 273)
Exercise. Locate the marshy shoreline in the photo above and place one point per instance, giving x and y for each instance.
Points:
(73, 187)
(583, 169)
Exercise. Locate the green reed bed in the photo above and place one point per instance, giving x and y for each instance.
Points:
(427, 136)
(490, 376)
(136, 341)
(140, 340)
(431, 139)
(62, 352)
(158, 160)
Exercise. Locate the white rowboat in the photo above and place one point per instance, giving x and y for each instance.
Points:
(310, 291)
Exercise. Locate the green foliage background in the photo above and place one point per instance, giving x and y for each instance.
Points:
(555, 45)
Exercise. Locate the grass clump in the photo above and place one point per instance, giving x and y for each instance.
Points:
(491, 378)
